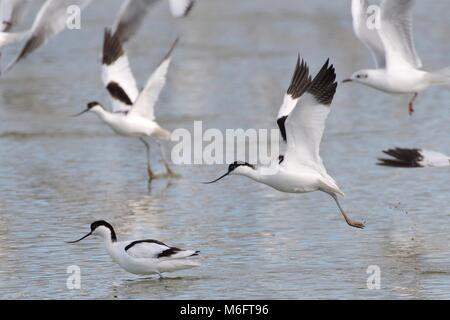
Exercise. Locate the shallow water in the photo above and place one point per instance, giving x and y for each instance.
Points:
(58, 174)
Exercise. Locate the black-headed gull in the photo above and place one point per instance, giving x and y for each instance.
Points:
(132, 111)
(391, 44)
(142, 257)
(414, 158)
(301, 120)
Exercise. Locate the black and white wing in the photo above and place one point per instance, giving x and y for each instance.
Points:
(396, 33)
(11, 13)
(117, 76)
(367, 32)
(181, 8)
(145, 104)
(154, 249)
(413, 158)
(130, 18)
(305, 124)
(51, 20)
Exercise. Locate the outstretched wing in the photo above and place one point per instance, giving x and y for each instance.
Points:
(181, 8)
(154, 249)
(50, 20)
(117, 75)
(11, 12)
(146, 101)
(396, 33)
(130, 18)
(306, 122)
(368, 36)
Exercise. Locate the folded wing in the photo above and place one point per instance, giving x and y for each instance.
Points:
(154, 249)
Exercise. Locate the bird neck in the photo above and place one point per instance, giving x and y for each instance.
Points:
(102, 113)
(254, 174)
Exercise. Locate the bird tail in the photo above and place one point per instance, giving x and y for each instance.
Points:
(440, 77)
(161, 134)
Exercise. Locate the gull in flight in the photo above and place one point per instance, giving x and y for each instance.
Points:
(50, 21)
(398, 67)
(142, 257)
(132, 13)
(132, 111)
(301, 120)
(414, 158)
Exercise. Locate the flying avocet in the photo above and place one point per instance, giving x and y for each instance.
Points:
(142, 257)
(301, 120)
(132, 112)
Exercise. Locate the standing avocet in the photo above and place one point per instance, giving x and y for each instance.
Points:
(133, 112)
(142, 257)
(391, 43)
(414, 158)
(301, 120)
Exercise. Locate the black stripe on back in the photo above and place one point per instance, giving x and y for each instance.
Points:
(281, 123)
(169, 252)
(116, 91)
(112, 48)
(144, 241)
(323, 86)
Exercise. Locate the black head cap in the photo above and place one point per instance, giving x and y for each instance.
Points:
(103, 223)
(92, 104)
(237, 164)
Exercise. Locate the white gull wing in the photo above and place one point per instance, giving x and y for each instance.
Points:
(154, 249)
(181, 8)
(396, 33)
(369, 37)
(130, 18)
(11, 13)
(50, 21)
(145, 104)
(117, 76)
(306, 123)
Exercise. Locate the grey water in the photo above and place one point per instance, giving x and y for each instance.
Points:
(231, 69)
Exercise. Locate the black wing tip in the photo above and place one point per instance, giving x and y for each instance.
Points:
(196, 253)
(189, 8)
(172, 47)
(323, 86)
(301, 79)
(405, 158)
(112, 47)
